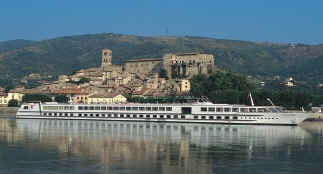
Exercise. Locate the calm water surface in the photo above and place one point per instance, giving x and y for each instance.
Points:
(66, 146)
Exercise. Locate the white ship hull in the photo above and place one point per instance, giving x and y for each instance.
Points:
(185, 113)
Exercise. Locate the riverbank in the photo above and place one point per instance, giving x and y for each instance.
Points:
(8, 111)
(316, 117)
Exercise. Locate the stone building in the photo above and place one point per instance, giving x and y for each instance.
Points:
(177, 66)
(184, 66)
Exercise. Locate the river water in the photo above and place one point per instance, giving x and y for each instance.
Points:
(79, 146)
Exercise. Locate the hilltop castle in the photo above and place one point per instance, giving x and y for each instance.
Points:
(177, 66)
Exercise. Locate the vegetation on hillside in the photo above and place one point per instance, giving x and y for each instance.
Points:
(66, 54)
(234, 89)
(36, 97)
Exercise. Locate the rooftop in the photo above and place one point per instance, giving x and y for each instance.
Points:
(144, 60)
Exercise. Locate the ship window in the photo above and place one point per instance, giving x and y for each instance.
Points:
(211, 118)
(155, 108)
(147, 116)
(219, 109)
(71, 107)
(219, 118)
(109, 108)
(235, 109)
(235, 118)
(25, 107)
(168, 108)
(168, 116)
(122, 108)
(85, 115)
(252, 109)
(243, 109)
(121, 115)
(50, 114)
(141, 108)
(176, 116)
(91, 108)
(66, 114)
(103, 108)
(91, 115)
(148, 108)
(186, 110)
(162, 108)
(66, 107)
(227, 117)
(261, 109)
(141, 116)
(102, 115)
(80, 107)
(183, 117)
(97, 108)
(155, 116)
(128, 108)
(211, 109)
(86, 108)
(80, 115)
(128, 116)
(109, 115)
(115, 115)
(115, 108)
(203, 117)
(203, 109)
(135, 108)
(227, 109)
(97, 115)
(44, 114)
(196, 117)
(134, 116)
(161, 116)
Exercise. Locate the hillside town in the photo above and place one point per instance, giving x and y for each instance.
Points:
(109, 83)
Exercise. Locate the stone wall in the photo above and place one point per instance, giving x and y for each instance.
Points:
(186, 65)
(144, 67)
(8, 111)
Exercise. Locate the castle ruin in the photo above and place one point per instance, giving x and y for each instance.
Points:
(177, 66)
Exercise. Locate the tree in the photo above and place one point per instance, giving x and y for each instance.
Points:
(36, 97)
(83, 80)
(61, 99)
(163, 74)
(13, 103)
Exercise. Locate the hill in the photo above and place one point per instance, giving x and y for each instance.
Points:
(66, 54)
(14, 44)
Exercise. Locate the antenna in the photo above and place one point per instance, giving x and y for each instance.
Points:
(268, 99)
(251, 99)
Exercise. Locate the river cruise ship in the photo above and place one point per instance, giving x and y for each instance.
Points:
(198, 112)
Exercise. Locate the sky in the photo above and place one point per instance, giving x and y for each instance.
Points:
(287, 21)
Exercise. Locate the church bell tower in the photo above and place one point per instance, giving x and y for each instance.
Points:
(106, 57)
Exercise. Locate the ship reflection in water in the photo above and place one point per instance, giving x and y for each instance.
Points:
(80, 146)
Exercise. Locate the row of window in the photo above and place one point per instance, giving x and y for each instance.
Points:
(213, 109)
(3, 101)
(58, 107)
(116, 108)
(116, 115)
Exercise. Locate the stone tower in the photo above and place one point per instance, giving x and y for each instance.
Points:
(106, 57)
